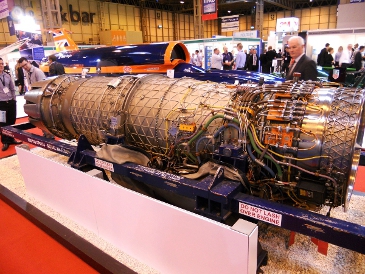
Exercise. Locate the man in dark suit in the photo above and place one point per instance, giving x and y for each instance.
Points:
(302, 63)
(358, 58)
(253, 60)
(270, 55)
(55, 68)
(322, 55)
(263, 62)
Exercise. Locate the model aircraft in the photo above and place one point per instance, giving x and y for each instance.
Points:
(141, 58)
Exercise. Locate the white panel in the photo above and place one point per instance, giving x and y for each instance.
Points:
(351, 15)
(69, 194)
(169, 239)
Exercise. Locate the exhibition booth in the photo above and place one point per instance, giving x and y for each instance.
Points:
(316, 39)
(208, 45)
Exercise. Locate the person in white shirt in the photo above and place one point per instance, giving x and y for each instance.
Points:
(199, 58)
(217, 59)
(201, 55)
(345, 59)
(193, 59)
(240, 62)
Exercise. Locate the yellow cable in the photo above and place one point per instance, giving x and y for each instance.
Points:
(298, 201)
(185, 95)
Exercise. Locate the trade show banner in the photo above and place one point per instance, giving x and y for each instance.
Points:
(230, 23)
(289, 24)
(246, 34)
(209, 10)
(4, 10)
(36, 53)
(32, 49)
(208, 56)
(11, 25)
(118, 37)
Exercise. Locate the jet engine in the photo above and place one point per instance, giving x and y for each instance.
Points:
(293, 142)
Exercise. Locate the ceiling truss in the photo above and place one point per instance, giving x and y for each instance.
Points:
(234, 6)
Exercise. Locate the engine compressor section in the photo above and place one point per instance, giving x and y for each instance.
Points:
(293, 142)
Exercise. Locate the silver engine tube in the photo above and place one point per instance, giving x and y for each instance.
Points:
(155, 112)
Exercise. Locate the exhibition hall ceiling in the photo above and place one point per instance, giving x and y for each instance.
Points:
(229, 7)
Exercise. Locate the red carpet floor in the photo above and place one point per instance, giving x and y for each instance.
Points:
(11, 150)
(360, 179)
(24, 248)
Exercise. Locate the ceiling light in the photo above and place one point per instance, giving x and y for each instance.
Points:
(229, 11)
(182, 2)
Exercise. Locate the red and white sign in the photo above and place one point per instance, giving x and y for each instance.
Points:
(104, 165)
(127, 69)
(335, 74)
(289, 24)
(209, 9)
(260, 214)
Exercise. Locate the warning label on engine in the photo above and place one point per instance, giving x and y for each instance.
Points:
(260, 214)
(104, 165)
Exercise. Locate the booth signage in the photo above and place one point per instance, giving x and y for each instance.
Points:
(246, 34)
(75, 16)
(38, 53)
(118, 37)
(4, 10)
(11, 25)
(230, 23)
(289, 24)
(209, 9)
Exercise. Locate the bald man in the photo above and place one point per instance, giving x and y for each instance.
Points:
(302, 63)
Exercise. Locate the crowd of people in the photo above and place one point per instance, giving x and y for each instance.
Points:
(197, 58)
(243, 60)
(26, 73)
(351, 57)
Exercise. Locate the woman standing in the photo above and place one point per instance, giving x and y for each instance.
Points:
(328, 58)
